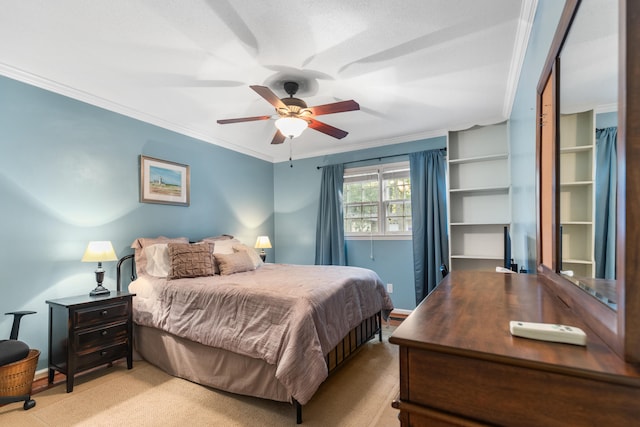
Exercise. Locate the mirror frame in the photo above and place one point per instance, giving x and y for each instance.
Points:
(619, 329)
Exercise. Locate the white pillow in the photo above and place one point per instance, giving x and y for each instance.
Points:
(158, 263)
(255, 257)
(225, 246)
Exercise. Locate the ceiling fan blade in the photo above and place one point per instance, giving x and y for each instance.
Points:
(328, 129)
(335, 107)
(268, 94)
(243, 119)
(278, 138)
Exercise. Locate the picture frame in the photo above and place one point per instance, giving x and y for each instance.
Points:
(164, 182)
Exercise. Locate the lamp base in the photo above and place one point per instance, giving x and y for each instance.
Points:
(99, 290)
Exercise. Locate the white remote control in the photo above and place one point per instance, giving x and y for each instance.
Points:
(548, 332)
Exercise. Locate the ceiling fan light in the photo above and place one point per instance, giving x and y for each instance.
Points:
(291, 127)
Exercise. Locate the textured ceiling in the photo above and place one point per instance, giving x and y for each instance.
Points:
(418, 68)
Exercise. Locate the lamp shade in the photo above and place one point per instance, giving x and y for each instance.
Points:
(263, 242)
(291, 127)
(99, 251)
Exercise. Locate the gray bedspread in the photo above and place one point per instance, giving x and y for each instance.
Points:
(288, 315)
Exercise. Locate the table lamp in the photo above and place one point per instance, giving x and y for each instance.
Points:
(261, 243)
(99, 252)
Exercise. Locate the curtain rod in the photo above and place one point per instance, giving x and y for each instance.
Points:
(379, 158)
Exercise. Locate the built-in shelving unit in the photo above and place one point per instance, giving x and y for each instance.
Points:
(479, 196)
(577, 142)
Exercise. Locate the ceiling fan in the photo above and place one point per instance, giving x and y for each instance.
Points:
(295, 116)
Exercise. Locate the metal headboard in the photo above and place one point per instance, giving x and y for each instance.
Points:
(119, 270)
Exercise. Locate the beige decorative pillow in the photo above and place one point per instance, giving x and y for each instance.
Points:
(222, 246)
(255, 257)
(190, 260)
(236, 262)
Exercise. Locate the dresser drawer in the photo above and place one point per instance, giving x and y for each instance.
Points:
(102, 335)
(102, 355)
(104, 313)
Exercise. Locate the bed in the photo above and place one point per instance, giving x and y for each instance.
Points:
(213, 313)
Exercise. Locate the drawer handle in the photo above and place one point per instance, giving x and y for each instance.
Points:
(104, 312)
(103, 353)
(104, 333)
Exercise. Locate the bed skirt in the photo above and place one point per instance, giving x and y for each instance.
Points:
(236, 373)
(213, 367)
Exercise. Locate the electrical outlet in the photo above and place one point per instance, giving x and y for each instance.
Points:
(390, 288)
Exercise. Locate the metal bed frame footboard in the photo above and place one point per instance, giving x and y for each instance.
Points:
(346, 348)
(342, 352)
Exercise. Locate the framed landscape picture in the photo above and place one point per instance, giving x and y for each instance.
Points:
(164, 182)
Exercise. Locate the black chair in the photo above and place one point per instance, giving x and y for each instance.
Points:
(17, 366)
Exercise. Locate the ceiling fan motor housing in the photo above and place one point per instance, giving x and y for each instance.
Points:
(294, 105)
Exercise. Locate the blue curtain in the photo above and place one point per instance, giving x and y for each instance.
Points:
(605, 200)
(330, 228)
(429, 219)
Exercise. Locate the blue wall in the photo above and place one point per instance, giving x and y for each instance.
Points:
(69, 173)
(297, 195)
(522, 137)
(606, 120)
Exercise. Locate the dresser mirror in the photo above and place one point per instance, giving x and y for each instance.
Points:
(588, 100)
(618, 323)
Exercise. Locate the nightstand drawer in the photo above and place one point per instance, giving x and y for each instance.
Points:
(105, 313)
(101, 335)
(102, 355)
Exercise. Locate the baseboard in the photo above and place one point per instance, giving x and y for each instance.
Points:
(398, 315)
(42, 373)
(401, 312)
(41, 377)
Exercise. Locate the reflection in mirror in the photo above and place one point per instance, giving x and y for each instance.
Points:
(588, 132)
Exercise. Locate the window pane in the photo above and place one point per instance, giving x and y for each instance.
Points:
(394, 224)
(370, 211)
(370, 192)
(364, 208)
(395, 209)
(353, 211)
(361, 226)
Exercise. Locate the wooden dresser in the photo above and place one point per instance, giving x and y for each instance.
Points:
(459, 364)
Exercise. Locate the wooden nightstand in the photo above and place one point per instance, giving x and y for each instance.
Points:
(86, 332)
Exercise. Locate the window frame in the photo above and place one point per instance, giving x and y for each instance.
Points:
(379, 170)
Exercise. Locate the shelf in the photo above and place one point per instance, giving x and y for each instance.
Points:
(501, 189)
(576, 149)
(576, 183)
(576, 222)
(470, 224)
(491, 257)
(502, 156)
(576, 261)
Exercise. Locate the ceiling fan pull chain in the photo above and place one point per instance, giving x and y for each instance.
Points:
(290, 151)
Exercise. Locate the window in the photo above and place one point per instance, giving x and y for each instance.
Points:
(377, 200)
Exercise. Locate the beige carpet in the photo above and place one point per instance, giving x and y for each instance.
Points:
(358, 394)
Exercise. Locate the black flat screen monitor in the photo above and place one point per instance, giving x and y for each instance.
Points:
(507, 248)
